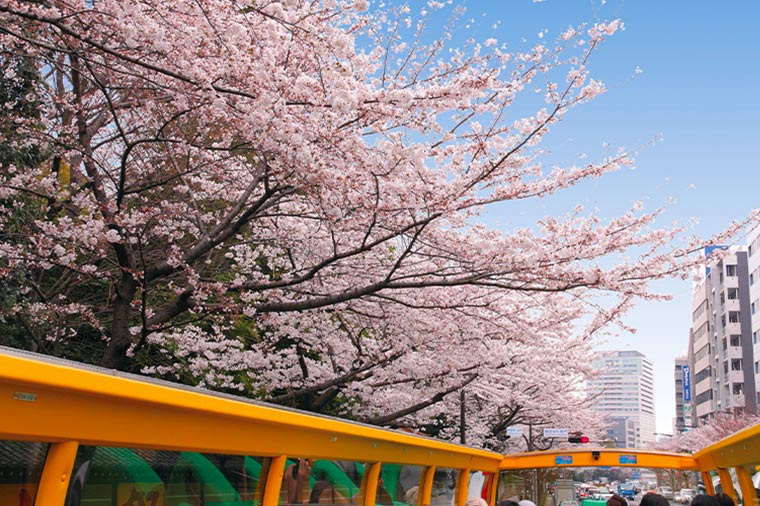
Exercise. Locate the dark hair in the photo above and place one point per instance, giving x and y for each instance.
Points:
(724, 499)
(653, 500)
(704, 500)
(617, 500)
(508, 502)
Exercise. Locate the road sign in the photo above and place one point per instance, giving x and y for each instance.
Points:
(552, 432)
(627, 459)
(514, 431)
(563, 460)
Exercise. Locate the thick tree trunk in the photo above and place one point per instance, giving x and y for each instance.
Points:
(115, 356)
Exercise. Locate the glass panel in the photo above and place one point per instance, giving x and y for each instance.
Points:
(20, 469)
(444, 483)
(478, 485)
(106, 476)
(308, 481)
(399, 484)
(513, 485)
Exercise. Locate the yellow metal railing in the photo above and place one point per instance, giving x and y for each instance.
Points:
(68, 406)
(71, 407)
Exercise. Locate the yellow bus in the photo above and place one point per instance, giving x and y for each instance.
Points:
(77, 435)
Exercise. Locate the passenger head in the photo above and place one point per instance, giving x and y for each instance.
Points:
(508, 502)
(476, 501)
(654, 500)
(704, 500)
(526, 502)
(724, 499)
(617, 500)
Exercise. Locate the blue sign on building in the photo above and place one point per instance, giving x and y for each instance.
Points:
(686, 370)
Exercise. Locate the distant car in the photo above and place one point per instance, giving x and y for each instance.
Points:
(602, 494)
(685, 495)
(627, 490)
(667, 493)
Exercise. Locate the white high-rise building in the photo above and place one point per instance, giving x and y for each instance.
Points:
(625, 390)
(753, 267)
(723, 335)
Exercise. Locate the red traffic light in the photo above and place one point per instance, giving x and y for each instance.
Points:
(578, 439)
(584, 439)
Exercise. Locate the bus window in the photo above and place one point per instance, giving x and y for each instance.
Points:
(106, 476)
(20, 469)
(478, 485)
(399, 485)
(326, 482)
(444, 483)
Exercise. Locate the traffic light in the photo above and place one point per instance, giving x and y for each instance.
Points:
(577, 439)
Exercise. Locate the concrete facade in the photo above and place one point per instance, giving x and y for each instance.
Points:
(625, 390)
(721, 339)
(753, 261)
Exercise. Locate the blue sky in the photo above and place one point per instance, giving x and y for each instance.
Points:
(700, 63)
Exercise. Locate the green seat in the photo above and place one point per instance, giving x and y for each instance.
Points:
(213, 481)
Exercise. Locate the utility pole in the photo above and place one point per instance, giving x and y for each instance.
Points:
(461, 418)
(534, 487)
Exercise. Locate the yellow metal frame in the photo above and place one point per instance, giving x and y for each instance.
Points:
(68, 406)
(596, 457)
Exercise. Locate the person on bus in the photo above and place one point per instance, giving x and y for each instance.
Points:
(617, 500)
(297, 481)
(654, 500)
(724, 499)
(704, 500)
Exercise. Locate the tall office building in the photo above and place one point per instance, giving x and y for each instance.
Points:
(625, 390)
(721, 337)
(753, 261)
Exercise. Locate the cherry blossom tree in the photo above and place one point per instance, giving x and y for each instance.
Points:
(722, 425)
(282, 198)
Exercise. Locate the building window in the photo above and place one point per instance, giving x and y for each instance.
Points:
(736, 365)
(733, 293)
(754, 337)
(757, 367)
(731, 271)
(752, 308)
(738, 388)
(736, 340)
(752, 279)
(733, 316)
